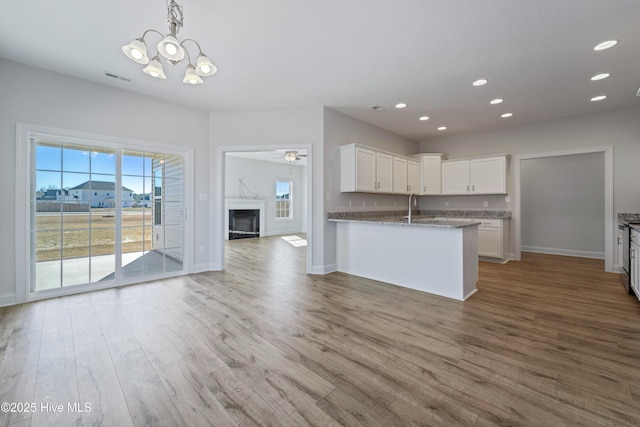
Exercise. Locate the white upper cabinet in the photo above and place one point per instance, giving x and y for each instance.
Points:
(399, 175)
(489, 175)
(365, 170)
(413, 177)
(455, 177)
(384, 172)
(430, 173)
(483, 175)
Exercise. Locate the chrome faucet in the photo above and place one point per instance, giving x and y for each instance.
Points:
(411, 197)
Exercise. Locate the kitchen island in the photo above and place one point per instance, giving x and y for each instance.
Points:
(437, 257)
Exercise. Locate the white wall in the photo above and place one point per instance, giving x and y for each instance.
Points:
(260, 177)
(232, 130)
(562, 202)
(44, 98)
(619, 128)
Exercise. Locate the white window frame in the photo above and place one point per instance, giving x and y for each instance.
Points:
(24, 132)
(290, 217)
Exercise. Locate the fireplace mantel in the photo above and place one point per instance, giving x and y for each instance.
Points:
(230, 204)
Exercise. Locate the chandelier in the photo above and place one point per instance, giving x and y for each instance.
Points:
(171, 49)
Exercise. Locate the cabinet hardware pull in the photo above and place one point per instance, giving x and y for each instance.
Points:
(473, 188)
(619, 241)
(425, 190)
(467, 188)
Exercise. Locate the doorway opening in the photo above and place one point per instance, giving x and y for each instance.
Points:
(565, 205)
(270, 188)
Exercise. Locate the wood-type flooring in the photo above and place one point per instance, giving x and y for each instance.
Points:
(549, 341)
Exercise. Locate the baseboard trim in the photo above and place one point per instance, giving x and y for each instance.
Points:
(282, 233)
(214, 266)
(200, 268)
(324, 269)
(7, 299)
(563, 252)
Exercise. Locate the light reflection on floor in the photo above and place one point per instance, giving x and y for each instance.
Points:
(295, 241)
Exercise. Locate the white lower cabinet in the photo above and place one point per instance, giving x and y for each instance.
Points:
(490, 238)
(635, 262)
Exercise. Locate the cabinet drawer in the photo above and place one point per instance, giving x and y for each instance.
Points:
(493, 223)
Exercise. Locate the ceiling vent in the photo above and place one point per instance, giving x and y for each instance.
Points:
(377, 108)
(115, 76)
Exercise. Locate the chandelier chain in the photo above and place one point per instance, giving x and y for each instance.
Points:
(174, 14)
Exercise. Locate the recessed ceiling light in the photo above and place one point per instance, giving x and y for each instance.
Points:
(442, 128)
(599, 98)
(423, 118)
(480, 82)
(401, 105)
(505, 115)
(606, 45)
(496, 101)
(600, 76)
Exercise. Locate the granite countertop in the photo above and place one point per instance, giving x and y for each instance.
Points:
(398, 218)
(419, 214)
(629, 217)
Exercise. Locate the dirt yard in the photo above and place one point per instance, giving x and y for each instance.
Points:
(95, 229)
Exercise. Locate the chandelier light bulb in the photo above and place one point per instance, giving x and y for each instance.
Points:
(191, 77)
(171, 49)
(154, 69)
(136, 51)
(204, 67)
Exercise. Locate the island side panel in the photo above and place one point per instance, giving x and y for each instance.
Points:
(429, 259)
(470, 236)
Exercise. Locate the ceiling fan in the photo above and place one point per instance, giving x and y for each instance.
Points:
(292, 156)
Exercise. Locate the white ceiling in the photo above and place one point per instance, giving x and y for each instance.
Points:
(351, 54)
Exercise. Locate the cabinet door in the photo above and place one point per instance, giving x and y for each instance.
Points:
(365, 170)
(399, 175)
(636, 288)
(634, 264)
(490, 241)
(620, 238)
(431, 175)
(384, 172)
(455, 177)
(489, 175)
(413, 177)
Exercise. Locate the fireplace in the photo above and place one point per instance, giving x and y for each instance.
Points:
(244, 223)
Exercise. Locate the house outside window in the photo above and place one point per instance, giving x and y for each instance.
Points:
(283, 200)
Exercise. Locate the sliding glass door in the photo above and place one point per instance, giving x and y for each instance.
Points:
(102, 213)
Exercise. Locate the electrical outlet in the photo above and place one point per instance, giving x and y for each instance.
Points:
(507, 199)
(203, 197)
(201, 249)
(350, 204)
(446, 204)
(328, 197)
(486, 204)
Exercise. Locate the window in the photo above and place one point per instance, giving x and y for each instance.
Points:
(283, 200)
